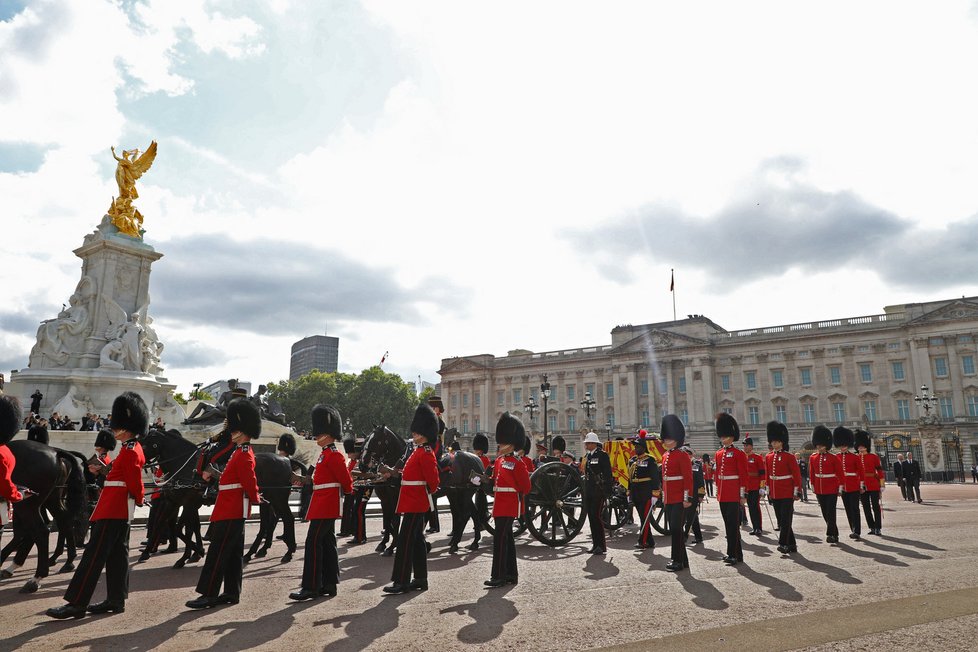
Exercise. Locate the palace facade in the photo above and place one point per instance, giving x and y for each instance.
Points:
(860, 371)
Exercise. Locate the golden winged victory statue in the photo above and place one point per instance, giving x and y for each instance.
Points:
(131, 166)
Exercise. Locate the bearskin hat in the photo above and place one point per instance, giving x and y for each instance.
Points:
(243, 416)
(9, 418)
(822, 436)
(777, 431)
(726, 426)
(862, 438)
(425, 423)
(129, 413)
(349, 446)
(510, 431)
(455, 446)
(526, 444)
(39, 434)
(673, 428)
(326, 420)
(286, 443)
(435, 402)
(748, 441)
(842, 436)
(480, 443)
(105, 439)
(558, 444)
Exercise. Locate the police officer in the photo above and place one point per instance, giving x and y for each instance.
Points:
(511, 483)
(109, 544)
(597, 488)
(330, 481)
(731, 480)
(677, 488)
(784, 483)
(644, 488)
(237, 491)
(419, 480)
(851, 484)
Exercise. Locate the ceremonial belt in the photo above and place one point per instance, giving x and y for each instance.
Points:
(423, 483)
(730, 477)
(114, 483)
(634, 480)
(506, 489)
(331, 485)
(222, 487)
(852, 475)
(870, 475)
(675, 477)
(824, 475)
(781, 477)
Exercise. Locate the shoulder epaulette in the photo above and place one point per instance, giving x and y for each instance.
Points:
(245, 448)
(130, 444)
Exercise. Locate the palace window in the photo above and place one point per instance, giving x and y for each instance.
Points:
(465, 399)
(590, 389)
(454, 401)
(940, 367)
(477, 428)
(972, 406)
(866, 372)
(663, 386)
(465, 425)
(903, 409)
(518, 397)
(725, 382)
(646, 422)
(569, 391)
(808, 412)
(643, 387)
(835, 374)
(968, 365)
(869, 407)
(753, 415)
(947, 412)
(750, 379)
(806, 376)
(552, 420)
(682, 384)
(898, 373)
(684, 416)
(571, 423)
(500, 397)
(609, 390)
(777, 378)
(781, 413)
(611, 418)
(839, 410)
(477, 398)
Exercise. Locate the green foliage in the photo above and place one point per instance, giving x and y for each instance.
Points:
(178, 397)
(368, 399)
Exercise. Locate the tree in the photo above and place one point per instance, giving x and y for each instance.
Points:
(364, 400)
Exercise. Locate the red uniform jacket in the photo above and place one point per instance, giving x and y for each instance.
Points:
(8, 490)
(755, 471)
(530, 466)
(512, 483)
(486, 464)
(871, 470)
(677, 477)
(158, 474)
(124, 482)
(330, 481)
(825, 472)
(238, 486)
(707, 471)
(731, 474)
(850, 471)
(419, 480)
(783, 475)
(350, 464)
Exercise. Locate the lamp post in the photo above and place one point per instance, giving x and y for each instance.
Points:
(531, 407)
(925, 400)
(196, 393)
(587, 404)
(545, 393)
(608, 428)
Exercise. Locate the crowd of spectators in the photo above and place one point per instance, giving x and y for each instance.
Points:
(90, 421)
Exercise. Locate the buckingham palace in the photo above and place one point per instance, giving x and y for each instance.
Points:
(888, 373)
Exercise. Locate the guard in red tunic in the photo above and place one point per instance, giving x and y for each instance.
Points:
(419, 480)
(524, 454)
(871, 481)
(9, 426)
(755, 484)
(731, 479)
(851, 483)
(677, 487)
(330, 480)
(783, 483)
(511, 483)
(108, 545)
(237, 491)
(825, 472)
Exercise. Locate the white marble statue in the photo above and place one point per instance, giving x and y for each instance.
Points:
(58, 338)
(73, 405)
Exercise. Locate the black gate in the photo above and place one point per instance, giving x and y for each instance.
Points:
(895, 443)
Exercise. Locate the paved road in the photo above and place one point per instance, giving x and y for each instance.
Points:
(918, 582)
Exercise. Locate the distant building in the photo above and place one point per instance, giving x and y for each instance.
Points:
(218, 387)
(425, 385)
(314, 352)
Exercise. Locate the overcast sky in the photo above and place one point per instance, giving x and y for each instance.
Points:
(446, 178)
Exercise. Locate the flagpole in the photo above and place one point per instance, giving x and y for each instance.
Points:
(672, 288)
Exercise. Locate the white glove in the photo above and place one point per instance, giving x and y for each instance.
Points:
(763, 491)
(476, 480)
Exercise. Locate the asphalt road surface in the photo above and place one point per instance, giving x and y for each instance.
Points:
(917, 585)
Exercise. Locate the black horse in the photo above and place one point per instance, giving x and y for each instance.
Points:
(58, 482)
(383, 446)
(268, 519)
(183, 488)
(454, 470)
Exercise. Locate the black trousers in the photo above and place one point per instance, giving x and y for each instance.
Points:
(460, 502)
(850, 500)
(754, 509)
(693, 518)
(223, 565)
(785, 509)
(643, 500)
(675, 515)
(504, 550)
(361, 498)
(828, 503)
(349, 511)
(730, 511)
(411, 554)
(595, 505)
(433, 522)
(108, 548)
(872, 509)
(913, 487)
(321, 566)
(481, 510)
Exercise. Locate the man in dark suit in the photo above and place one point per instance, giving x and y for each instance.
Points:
(898, 468)
(912, 475)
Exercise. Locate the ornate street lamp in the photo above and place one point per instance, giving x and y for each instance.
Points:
(531, 407)
(925, 400)
(587, 404)
(608, 428)
(196, 393)
(545, 393)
